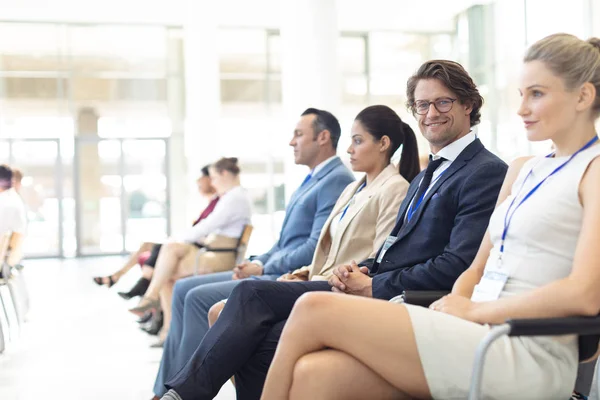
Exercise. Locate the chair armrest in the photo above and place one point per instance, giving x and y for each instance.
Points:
(422, 298)
(554, 326)
(221, 249)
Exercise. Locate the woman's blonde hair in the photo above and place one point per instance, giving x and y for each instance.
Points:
(576, 61)
(227, 164)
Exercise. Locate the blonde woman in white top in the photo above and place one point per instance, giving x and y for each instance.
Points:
(542, 243)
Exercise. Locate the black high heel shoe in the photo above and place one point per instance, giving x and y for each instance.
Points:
(145, 318)
(155, 325)
(99, 280)
(139, 289)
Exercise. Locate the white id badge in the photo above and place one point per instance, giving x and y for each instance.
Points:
(388, 243)
(490, 286)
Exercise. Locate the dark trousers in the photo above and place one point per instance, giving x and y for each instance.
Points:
(243, 340)
(151, 261)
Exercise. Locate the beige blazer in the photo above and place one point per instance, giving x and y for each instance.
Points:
(364, 228)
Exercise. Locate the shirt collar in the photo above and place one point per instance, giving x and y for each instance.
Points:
(319, 167)
(453, 150)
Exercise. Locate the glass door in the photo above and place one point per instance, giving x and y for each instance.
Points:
(122, 194)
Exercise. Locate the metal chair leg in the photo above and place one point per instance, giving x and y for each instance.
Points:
(11, 312)
(595, 392)
(478, 364)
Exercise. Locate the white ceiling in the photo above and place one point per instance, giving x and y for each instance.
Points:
(405, 15)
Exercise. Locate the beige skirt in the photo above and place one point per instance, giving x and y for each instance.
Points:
(200, 261)
(515, 368)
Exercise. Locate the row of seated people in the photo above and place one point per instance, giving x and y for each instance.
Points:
(13, 215)
(410, 231)
(219, 226)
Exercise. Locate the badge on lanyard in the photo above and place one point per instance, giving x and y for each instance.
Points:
(490, 286)
(388, 243)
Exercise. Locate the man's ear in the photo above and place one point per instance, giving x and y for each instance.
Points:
(468, 108)
(324, 137)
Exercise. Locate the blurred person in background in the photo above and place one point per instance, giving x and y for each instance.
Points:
(147, 254)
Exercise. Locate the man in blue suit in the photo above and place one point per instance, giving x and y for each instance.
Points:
(315, 142)
(439, 228)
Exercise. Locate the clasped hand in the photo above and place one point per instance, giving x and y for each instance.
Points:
(351, 279)
(246, 269)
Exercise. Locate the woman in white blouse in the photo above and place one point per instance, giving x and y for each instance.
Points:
(221, 229)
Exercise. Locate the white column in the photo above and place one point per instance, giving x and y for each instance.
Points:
(202, 110)
(310, 75)
(595, 17)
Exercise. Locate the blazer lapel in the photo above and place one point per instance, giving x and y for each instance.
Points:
(307, 186)
(326, 242)
(365, 196)
(351, 213)
(467, 154)
(412, 190)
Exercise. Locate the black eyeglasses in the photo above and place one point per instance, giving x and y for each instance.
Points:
(444, 105)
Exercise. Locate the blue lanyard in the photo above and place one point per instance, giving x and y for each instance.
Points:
(413, 207)
(508, 219)
(352, 199)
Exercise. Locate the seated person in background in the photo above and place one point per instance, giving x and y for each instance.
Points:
(207, 191)
(315, 142)
(12, 211)
(439, 228)
(17, 180)
(539, 259)
(221, 229)
(148, 259)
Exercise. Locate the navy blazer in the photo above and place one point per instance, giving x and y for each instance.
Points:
(305, 216)
(442, 238)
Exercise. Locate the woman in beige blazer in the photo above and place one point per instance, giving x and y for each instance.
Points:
(366, 211)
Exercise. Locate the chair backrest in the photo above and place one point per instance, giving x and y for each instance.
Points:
(243, 242)
(4, 243)
(589, 347)
(15, 246)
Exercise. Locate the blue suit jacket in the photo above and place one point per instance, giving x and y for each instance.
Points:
(442, 238)
(305, 216)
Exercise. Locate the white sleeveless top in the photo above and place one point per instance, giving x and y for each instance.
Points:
(540, 243)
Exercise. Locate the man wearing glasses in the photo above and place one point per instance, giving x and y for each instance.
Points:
(439, 228)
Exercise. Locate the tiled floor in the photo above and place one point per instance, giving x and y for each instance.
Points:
(80, 343)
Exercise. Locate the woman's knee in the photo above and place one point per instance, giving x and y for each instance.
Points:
(311, 302)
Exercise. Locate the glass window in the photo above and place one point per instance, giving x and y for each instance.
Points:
(61, 81)
(353, 63)
(394, 57)
(30, 47)
(117, 48)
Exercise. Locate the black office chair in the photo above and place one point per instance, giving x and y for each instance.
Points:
(587, 328)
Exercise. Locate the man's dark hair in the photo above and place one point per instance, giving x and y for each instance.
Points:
(6, 175)
(324, 120)
(455, 78)
(204, 170)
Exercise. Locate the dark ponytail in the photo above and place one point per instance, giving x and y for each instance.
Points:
(409, 159)
(382, 121)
